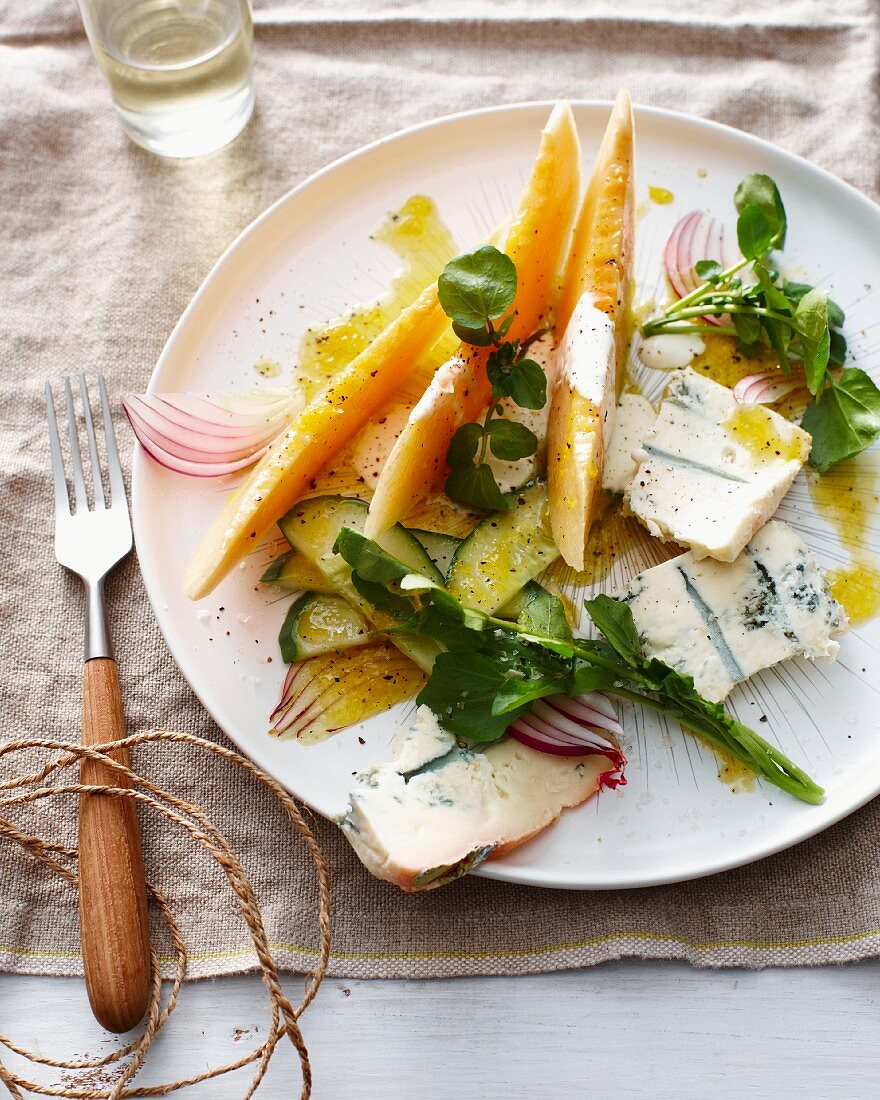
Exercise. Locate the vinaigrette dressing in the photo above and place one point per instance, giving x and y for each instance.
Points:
(848, 497)
(723, 363)
(423, 244)
(752, 426)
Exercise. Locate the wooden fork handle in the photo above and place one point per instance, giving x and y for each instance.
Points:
(112, 890)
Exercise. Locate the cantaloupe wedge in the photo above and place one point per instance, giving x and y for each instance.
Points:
(590, 357)
(320, 432)
(460, 391)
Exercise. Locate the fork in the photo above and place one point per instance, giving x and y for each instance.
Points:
(90, 541)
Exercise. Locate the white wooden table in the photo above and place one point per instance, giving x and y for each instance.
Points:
(624, 1030)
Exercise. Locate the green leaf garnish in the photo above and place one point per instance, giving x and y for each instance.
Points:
(754, 233)
(477, 287)
(710, 270)
(811, 319)
(544, 614)
(761, 191)
(844, 420)
(510, 440)
(527, 384)
(476, 486)
(615, 621)
(464, 445)
(461, 691)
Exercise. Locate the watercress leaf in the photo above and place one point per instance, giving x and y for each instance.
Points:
(461, 691)
(836, 316)
(476, 287)
(502, 357)
(587, 677)
(515, 692)
(527, 384)
(811, 322)
(544, 614)
(478, 337)
(463, 445)
(476, 486)
(836, 351)
(774, 296)
(615, 620)
(381, 599)
(754, 233)
(748, 329)
(553, 645)
(367, 559)
(510, 440)
(502, 329)
(448, 605)
(444, 619)
(708, 270)
(795, 291)
(498, 369)
(759, 190)
(844, 420)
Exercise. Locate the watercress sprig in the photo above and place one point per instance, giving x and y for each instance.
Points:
(799, 322)
(477, 290)
(491, 671)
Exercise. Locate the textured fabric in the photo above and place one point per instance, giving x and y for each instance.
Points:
(103, 246)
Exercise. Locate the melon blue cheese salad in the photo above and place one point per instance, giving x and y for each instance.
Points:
(442, 487)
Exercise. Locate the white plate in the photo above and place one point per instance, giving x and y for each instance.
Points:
(308, 258)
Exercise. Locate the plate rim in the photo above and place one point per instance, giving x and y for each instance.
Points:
(497, 871)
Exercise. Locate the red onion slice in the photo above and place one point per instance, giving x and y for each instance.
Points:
(767, 387)
(565, 726)
(697, 236)
(208, 436)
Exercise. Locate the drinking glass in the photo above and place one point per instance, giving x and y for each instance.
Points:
(179, 70)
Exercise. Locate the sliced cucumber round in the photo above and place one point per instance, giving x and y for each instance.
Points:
(440, 548)
(317, 623)
(504, 552)
(296, 573)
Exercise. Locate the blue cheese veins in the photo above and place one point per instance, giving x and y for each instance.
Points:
(722, 622)
(711, 472)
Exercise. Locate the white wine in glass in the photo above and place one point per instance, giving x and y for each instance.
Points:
(179, 70)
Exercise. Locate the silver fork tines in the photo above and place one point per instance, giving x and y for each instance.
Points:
(89, 541)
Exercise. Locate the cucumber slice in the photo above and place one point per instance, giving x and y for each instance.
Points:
(440, 548)
(321, 624)
(312, 526)
(296, 573)
(504, 552)
(515, 605)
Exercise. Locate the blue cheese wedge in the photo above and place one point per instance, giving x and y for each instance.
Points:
(722, 622)
(439, 810)
(711, 471)
(634, 419)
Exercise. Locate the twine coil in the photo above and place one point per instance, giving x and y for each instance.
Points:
(30, 789)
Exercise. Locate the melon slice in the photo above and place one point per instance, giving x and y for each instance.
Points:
(591, 323)
(325, 426)
(460, 391)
